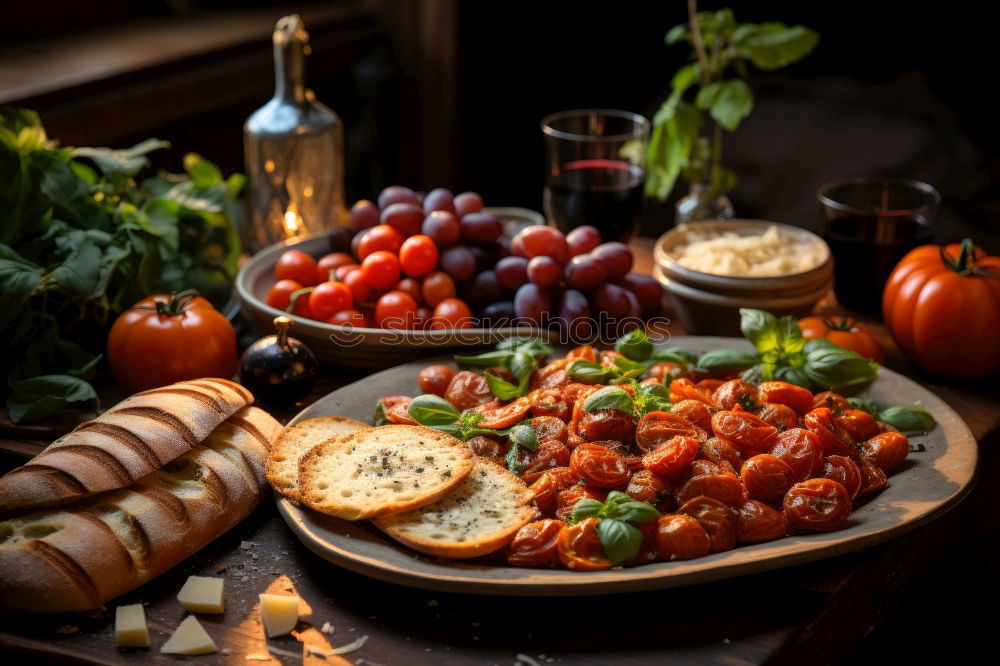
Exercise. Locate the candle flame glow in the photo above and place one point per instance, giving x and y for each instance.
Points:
(292, 223)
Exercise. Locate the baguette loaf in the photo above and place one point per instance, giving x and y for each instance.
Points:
(76, 557)
(132, 439)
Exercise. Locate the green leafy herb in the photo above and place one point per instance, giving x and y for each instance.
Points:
(609, 397)
(34, 398)
(634, 345)
(533, 346)
(519, 355)
(432, 410)
(435, 412)
(379, 418)
(620, 539)
(651, 398)
(520, 436)
(829, 366)
(490, 359)
(907, 419)
(673, 355)
(588, 372)
(726, 359)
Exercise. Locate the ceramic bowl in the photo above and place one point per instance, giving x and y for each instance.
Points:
(708, 304)
(347, 347)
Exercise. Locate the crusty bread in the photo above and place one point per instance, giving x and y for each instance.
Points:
(130, 440)
(295, 442)
(79, 556)
(380, 471)
(480, 516)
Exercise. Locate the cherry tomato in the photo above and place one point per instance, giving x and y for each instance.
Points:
(583, 353)
(280, 295)
(549, 428)
(647, 487)
(423, 318)
(418, 256)
(664, 372)
(801, 450)
(599, 466)
(549, 455)
(694, 411)
(579, 547)
(604, 424)
(737, 392)
(395, 309)
(833, 401)
(745, 431)
(780, 416)
(723, 486)
(506, 415)
(834, 439)
(355, 281)
(341, 271)
(436, 287)
(435, 379)
(399, 413)
(859, 424)
(873, 479)
(468, 390)
(549, 402)
(331, 262)
(329, 298)
(817, 505)
(410, 286)
(553, 375)
(887, 450)
(844, 471)
(487, 447)
(717, 519)
(380, 270)
(684, 389)
(844, 332)
(681, 537)
(535, 544)
(796, 397)
(451, 313)
(656, 428)
(350, 317)
(299, 304)
(543, 492)
(767, 478)
(567, 499)
(379, 238)
(296, 265)
(719, 451)
(757, 522)
(672, 457)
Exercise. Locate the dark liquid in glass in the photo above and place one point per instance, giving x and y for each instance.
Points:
(866, 247)
(606, 194)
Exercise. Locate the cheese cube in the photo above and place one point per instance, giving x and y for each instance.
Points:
(130, 626)
(202, 594)
(189, 638)
(280, 613)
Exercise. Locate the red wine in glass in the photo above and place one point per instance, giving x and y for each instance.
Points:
(606, 194)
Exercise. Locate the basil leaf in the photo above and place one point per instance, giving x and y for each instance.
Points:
(490, 358)
(38, 397)
(673, 355)
(864, 405)
(586, 508)
(726, 358)
(908, 419)
(629, 369)
(616, 497)
(522, 365)
(533, 346)
(790, 335)
(830, 367)
(454, 430)
(634, 345)
(635, 512)
(432, 410)
(797, 376)
(588, 371)
(501, 388)
(760, 328)
(523, 435)
(609, 397)
(379, 418)
(511, 459)
(621, 541)
(652, 398)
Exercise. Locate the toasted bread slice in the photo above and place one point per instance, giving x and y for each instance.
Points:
(283, 463)
(384, 470)
(480, 516)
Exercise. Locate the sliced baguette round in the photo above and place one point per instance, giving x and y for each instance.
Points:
(381, 471)
(283, 462)
(480, 516)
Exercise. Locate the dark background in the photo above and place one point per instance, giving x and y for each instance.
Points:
(450, 93)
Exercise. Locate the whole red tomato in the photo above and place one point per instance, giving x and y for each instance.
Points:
(843, 332)
(165, 339)
(942, 307)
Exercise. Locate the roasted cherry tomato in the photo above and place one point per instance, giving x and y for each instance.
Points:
(844, 471)
(602, 424)
(579, 547)
(468, 390)
(718, 520)
(549, 402)
(567, 499)
(543, 492)
(796, 397)
(647, 487)
(398, 413)
(681, 537)
(553, 375)
(549, 428)
(887, 450)
(535, 544)
(548, 455)
(817, 505)
(859, 424)
(329, 298)
(656, 428)
(719, 451)
(694, 411)
(873, 479)
(756, 522)
(748, 433)
(737, 392)
(844, 332)
(279, 296)
(599, 466)
(296, 265)
(435, 379)
(672, 457)
(418, 255)
(834, 439)
(831, 400)
(583, 353)
(723, 486)
(780, 416)
(767, 478)
(801, 450)
(684, 389)
(664, 372)
(506, 415)
(486, 447)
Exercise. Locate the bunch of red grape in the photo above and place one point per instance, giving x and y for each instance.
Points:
(441, 262)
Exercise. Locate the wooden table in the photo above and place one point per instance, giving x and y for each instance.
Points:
(817, 612)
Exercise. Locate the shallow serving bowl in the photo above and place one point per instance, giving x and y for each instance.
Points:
(709, 304)
(346, 347)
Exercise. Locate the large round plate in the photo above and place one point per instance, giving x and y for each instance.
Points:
(936, 476)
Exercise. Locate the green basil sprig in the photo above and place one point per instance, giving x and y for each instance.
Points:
(435, 412)
(907, 419)
(620, 539)
(519, 355)
(639, 355)
(379, 419)
(649, 398)
(634, 345)
(520, 436)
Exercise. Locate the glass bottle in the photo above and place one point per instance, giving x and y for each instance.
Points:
(294, 151)
(700, 205)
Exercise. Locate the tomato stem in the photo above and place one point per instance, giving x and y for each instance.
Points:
(179, 302)
(296, 295)
(845, 324)
(965, 263)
